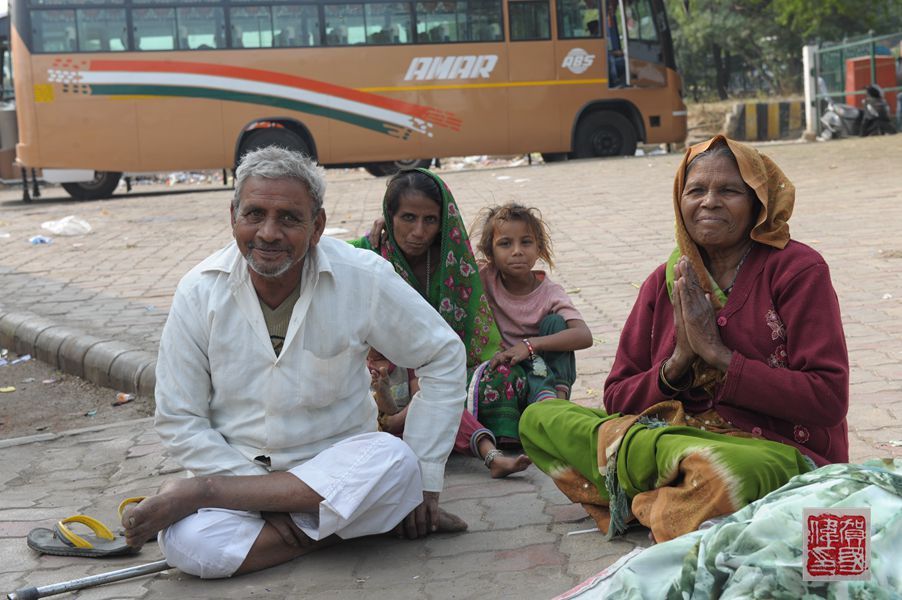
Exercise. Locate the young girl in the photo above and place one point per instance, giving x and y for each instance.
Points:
(540, 327)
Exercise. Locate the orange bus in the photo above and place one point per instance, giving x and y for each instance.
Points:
(105, 87)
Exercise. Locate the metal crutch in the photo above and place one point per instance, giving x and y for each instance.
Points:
(33, 593)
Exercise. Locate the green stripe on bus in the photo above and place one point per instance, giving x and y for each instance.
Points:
(199, 92)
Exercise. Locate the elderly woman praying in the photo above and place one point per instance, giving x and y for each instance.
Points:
(731, 375)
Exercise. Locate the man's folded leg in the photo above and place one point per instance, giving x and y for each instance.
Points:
(368, 483)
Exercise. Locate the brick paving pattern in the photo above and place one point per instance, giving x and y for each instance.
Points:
(611, 224)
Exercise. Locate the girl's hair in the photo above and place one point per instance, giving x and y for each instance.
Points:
(516, 212)
(407, 181)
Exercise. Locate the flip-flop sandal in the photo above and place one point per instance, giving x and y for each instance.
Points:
(126, 502)
(62, 541)
(133, 500)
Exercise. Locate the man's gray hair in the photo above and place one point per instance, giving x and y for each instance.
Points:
(273, 162)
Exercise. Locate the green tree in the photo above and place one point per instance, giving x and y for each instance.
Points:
(748, 46)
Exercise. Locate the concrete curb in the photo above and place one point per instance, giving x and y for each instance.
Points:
(107, 363)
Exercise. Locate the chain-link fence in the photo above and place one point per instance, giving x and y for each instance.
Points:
(843, 71)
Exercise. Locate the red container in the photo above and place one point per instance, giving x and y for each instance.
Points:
(858, 76)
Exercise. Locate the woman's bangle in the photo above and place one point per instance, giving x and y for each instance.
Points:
(532, 351)
(669, 386)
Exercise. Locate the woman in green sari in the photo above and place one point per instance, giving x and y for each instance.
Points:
(427, 243)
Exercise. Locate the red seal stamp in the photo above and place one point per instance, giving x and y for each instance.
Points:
(836, 544)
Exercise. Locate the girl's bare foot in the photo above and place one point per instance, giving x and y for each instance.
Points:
(502, 466)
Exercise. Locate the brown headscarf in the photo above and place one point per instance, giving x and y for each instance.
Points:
(774, 191)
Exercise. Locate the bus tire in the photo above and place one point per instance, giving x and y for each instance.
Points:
(604, 133)
(383, 169)
(273, 136)
(102, 186)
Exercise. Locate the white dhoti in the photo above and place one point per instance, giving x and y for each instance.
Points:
(369, 483)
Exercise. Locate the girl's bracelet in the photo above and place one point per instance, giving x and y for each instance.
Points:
(532, 351)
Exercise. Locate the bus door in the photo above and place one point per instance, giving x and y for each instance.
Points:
(638, 35)
(533, 115)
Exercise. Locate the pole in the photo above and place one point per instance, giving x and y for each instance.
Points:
(33, 593)
(810, 74)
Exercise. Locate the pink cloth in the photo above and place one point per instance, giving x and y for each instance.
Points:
(789, 377)
(518, 317)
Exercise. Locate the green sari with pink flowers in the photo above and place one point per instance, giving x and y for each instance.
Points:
(456, 292)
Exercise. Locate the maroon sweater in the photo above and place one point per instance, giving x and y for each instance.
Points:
(788, 379)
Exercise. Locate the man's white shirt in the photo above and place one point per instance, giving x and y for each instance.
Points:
(224, 398)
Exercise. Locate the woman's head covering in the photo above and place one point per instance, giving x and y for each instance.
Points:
(774, 191)
(455, 289)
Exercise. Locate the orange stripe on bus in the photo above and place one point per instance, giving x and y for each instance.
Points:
(465, 86)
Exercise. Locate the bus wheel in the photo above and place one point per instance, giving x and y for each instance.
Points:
(273, 136)
(390, 168)
(604, 133)
(102, 186)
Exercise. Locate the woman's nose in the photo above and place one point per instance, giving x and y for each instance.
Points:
(711, 199)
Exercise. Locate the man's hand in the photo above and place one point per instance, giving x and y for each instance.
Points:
(287, 530)
(423, 520)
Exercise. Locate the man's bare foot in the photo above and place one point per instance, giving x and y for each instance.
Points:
(176, 499)
(502, 466)
(450, 523)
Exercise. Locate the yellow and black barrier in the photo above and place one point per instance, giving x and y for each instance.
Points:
(751, 121)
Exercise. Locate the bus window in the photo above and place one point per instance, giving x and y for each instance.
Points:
(344, 24)
(251, 27)
(640, 23)
(578, 19)
(388, 23)
(54, 30)
(530, 20)
(102, 30)
(201, 28)
(296, 26)
(154, 28)
(484, 21)
(439, 22)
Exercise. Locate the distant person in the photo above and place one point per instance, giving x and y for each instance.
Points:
(262, 391)
(731, 376)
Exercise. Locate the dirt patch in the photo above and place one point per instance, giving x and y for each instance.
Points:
(707, 119)
(48, 401)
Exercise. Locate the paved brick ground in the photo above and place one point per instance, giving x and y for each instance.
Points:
(611, 222)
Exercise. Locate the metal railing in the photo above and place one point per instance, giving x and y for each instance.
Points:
(827, 66)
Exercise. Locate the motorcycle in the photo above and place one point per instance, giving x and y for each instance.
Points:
(873, 118)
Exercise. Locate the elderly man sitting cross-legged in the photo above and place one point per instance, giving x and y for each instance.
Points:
(263, 394)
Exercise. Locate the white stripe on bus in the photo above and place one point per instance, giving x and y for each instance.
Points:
(258, 88)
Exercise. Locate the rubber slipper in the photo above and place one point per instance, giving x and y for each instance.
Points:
(133, 500)
(126, 502)
(62, 541)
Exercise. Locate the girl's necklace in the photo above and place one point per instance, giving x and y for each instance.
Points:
(727, 289)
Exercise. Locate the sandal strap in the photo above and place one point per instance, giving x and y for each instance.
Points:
(127, 501)
(69, 536)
